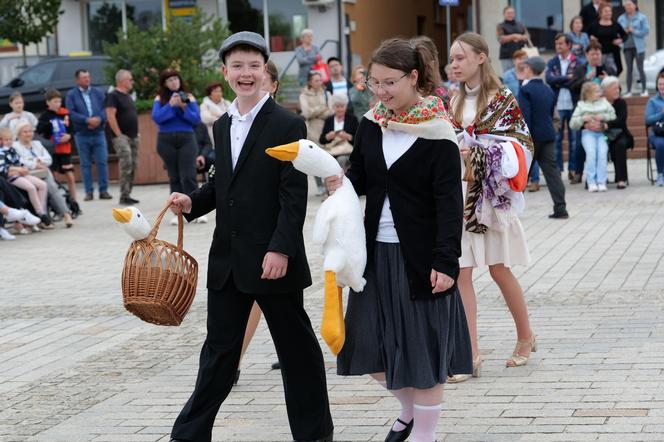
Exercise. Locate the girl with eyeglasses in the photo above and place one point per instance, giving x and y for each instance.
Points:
(407, 329)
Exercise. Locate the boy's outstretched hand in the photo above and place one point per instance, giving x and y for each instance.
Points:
(181, 203)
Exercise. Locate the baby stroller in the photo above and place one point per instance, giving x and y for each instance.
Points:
(72, 205)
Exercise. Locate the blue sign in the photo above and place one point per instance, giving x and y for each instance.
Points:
(448, 2)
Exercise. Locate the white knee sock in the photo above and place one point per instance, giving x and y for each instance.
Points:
(426, 419)
(406, 399)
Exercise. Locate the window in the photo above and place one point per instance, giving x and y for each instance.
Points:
(144, 13)
(104, 22)
(106, 17)
(543, 20)
(286, 19)
(39, 74)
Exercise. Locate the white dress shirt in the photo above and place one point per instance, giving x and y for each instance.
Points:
(240, 125)
(564, 95)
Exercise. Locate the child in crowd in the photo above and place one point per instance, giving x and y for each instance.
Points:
(591, 114)
(54, 124)
(12, 169)
(17, 114)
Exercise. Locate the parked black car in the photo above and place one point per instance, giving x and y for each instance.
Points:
(55, 73)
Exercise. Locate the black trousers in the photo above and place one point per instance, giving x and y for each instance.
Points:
(302, 367)
(178, 151)
(618, 149)
(545, 155)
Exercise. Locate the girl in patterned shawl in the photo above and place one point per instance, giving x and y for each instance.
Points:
(495, 144)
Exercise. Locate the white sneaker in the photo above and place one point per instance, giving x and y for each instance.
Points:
(592, 188)
(29, 219)
(4, 234)
(173, 221)
(627, 94)
(601, 187)
(645, 94)
(14, 215)
(202, 219)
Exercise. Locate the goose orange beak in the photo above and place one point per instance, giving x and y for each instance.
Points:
(122, 215)
(285, 152)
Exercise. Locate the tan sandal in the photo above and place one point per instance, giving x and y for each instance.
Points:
(477, 368)
(517, 360)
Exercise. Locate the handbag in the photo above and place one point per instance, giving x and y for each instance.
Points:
(321, 66)
(658, 129)
(531, 50)
(613, 134)
(39, 173)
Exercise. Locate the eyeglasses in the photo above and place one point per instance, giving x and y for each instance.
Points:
(387, 85)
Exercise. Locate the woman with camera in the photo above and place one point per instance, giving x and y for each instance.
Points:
(176, 113)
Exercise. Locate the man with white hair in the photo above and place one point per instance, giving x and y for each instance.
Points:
(123, 122)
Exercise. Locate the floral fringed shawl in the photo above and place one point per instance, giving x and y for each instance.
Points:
(427, 119)
(501, 118)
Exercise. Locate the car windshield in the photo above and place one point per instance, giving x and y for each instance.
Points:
(38, 74)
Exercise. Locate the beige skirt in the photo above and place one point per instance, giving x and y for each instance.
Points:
(507, 247)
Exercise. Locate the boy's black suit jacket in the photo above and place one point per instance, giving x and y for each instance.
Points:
(261, 205)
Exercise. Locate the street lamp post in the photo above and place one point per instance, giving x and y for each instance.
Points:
(448, 27)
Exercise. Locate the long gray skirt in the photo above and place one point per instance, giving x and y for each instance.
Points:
(417, 343)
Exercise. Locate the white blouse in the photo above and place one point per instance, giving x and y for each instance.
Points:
(395, 144)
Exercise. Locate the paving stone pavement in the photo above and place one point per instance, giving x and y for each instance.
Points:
(74, 366)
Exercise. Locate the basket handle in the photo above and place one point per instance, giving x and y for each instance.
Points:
(157, 222)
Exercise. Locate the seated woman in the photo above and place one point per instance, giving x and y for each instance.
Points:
(339, 130)
(617, 134)
(12, 170)
(654, 115)
(37, 161)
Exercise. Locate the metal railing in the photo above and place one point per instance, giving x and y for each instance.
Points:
(283, 72)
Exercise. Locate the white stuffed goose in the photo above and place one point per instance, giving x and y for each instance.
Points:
(133, 222)
(339, 228)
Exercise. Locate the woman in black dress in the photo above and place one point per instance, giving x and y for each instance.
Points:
(610, 35)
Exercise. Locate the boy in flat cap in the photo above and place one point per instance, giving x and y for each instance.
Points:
(257, 253)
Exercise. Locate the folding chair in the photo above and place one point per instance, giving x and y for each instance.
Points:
(651, 169)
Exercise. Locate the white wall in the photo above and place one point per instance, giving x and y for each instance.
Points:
(71, 27)
(325, 24)
(491, 13)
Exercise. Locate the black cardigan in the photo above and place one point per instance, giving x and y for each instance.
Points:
(424, 187)
(350, 126)
(620, 122)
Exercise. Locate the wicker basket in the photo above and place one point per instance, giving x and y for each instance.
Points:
(159, 279)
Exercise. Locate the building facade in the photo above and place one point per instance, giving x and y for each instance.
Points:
(349, 29)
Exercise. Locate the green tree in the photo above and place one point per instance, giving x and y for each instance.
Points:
(28, 21)
(186, 45)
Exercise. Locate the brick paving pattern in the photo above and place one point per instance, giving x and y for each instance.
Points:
(74, 366)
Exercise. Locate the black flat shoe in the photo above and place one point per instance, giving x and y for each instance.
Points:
(237, 377)
(276, 366)
(400, 436)
(559, 215)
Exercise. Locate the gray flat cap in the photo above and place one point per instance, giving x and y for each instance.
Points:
(245, 38)
(537, 64)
